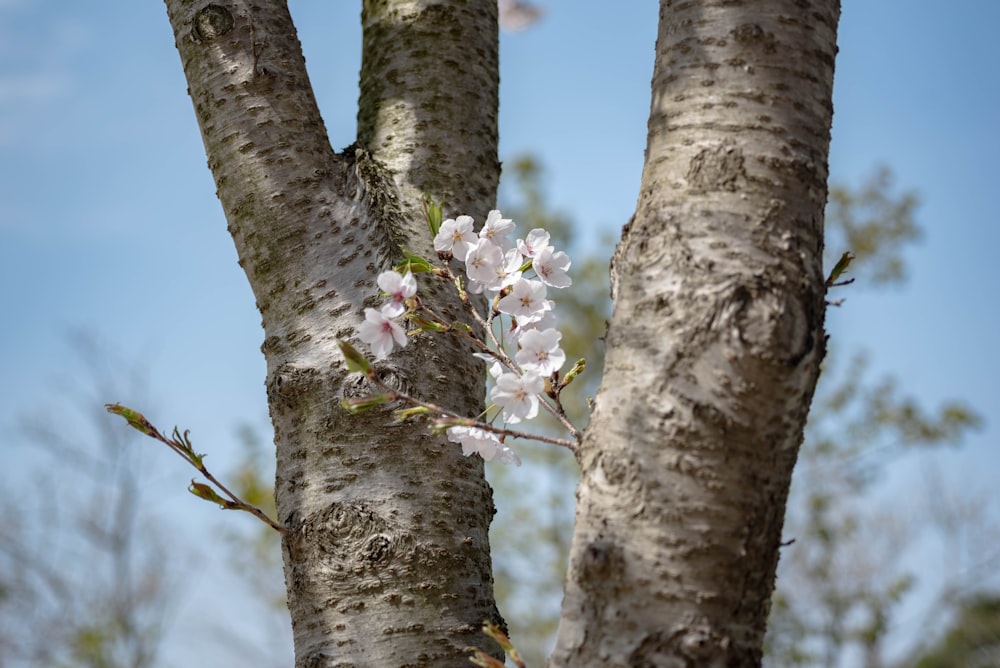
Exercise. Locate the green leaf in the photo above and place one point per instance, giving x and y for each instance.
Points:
(441, 424)
(425, 325)
(183, 442)
(494, 632)
(432, 210)
(577, 369)
(135, 419)
(842, 264)
(404, 414)
(414, 264)
(482, 659)
(203, 491)
(355, 361)
(361, 404)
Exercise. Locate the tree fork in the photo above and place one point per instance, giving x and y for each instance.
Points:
(387, 554)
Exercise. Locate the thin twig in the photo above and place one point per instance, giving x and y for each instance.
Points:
(182, 446)
(440, 410)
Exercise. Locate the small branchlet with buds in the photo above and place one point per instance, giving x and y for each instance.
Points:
(181, 444)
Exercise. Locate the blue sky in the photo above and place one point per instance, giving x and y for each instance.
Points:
(108, 219)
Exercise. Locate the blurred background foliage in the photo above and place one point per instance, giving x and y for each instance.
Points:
(87, 573)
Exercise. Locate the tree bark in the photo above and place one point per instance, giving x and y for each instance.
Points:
(387, 557)
(714, 345)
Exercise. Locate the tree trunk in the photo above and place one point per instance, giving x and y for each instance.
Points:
(387, 558)
(714, 345)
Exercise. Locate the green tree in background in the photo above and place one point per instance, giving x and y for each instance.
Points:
(844, 578)
(86, 579)
(972, 641)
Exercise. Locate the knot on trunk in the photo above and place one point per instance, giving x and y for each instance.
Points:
(211, 22)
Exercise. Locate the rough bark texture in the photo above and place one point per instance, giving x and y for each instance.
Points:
(714, 346)
(387, 558)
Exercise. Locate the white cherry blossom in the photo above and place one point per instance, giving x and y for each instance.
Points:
(380, 332)
(540, 351)
(399, 287)
(526, 300)
(482, 263)
(495, 367)
(547, 321)
(508, 271)
(517, 395)
(456, 236)
(496, 228)
(507, 456)
(536, 240)
(486, 444)
(551, 267)
(517, 15)
(475, 440)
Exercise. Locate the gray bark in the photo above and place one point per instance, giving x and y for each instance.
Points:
(714, 345)
(387, 557)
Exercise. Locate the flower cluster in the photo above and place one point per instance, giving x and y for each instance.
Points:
(518, 274)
